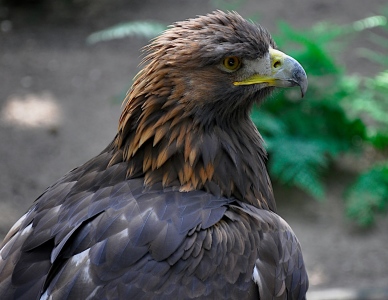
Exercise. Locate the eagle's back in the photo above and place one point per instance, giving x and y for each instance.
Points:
(95, 234)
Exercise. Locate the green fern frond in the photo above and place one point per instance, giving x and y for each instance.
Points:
(146, 29)
(368, 196)
(267, 123)
(380, 81)
(369, 23)
(370, 102)
(298, 162)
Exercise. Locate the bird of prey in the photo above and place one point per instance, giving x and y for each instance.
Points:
(179, 205)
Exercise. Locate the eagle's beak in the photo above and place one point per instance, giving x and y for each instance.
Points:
(285, 72)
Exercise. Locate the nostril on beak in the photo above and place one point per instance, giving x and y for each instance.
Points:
(277, 64)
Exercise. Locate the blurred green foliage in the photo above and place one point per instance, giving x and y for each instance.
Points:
(341, 113)
(146, 29)
(368, 195)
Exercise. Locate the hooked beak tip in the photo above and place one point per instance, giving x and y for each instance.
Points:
(303, 86)
(299, 78)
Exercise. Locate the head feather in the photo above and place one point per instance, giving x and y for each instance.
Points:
(183, 125)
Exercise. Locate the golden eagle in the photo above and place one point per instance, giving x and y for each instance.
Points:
(179, 205)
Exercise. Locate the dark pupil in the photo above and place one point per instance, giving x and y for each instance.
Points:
(231, 62)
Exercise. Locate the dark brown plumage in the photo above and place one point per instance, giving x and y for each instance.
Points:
(180, 203)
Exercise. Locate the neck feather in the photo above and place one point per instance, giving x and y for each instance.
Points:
(165, 145)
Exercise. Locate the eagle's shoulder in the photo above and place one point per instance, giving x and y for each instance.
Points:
(94, 220)
(95, 233)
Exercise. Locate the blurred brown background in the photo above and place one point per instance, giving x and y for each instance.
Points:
(59, 106)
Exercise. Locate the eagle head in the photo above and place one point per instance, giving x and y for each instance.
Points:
(186, 117)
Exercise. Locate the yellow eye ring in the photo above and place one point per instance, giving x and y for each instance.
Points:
(232, 63)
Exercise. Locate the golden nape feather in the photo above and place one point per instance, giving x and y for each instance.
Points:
(180, 204)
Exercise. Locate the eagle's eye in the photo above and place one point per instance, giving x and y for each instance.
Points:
(232, 63)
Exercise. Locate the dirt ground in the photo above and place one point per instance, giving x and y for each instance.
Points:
(60, 101)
